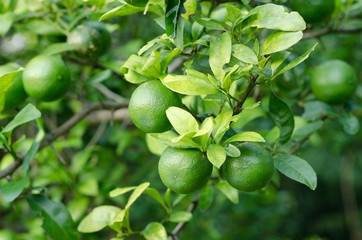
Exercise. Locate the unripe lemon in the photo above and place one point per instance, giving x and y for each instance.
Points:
(148, 105)
(252, 170)
(184, 170)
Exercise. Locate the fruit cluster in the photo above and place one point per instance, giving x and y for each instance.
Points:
(187, 170)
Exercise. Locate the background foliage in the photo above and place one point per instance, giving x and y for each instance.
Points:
(104, 151)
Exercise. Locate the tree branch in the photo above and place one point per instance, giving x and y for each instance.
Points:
(64, 128)
(252, 84)
(322, 32)
(176, 231)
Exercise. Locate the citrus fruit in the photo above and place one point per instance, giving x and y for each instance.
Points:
(46, 78)
(334, 82)
(252, 170)
(15, 94)
(90, 40)
(313, 11)
(184, 170)
(148, 105)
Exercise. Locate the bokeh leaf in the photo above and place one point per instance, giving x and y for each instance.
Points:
(230, 192)
(350, 123)
(57, 221)
(282, 116)
(206, 197)
(180, 216)
(10, 191)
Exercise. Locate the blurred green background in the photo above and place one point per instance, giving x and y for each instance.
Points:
(107, 155)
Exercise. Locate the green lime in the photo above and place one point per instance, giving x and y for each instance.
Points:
(91, 40)
(334, 82)
(15, 94)
(46, 78)
(148, 105)
(184, 170)
(252, 170)
(313, 11)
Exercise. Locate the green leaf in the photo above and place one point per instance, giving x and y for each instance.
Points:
(272, 16)
(98, 219)
(316, 109)
(10, 191)
(119, 191)
(57, 221)
(30, 155)
(132, 69)
(248, 115)
(173, 13)
(182, 121)
(307, 130)
(204, 132)
(152, 66)
(209, 23)
(118, 220)
(350, 123)
(6, 22)
(296, 62)
(246, 137)
(282, 116)
(123, 10)
(230, 192)
(136, 193)
(100, 77)
(167, 138)
(232, 151)
(180, 216)
(179, 37)
(190, 7)
(245, 54)
(222, 124)
(183, 137)
(280, 41)
(167, 198)
(206, 197)
(155, 231)
(7, 79)
(166, 61)
(189, 85)
(155, 146)
(277, 59)
(57, 48)
(157, 196)
(296, 169)
(227, 80)
(220, 51)
(27, 114)
(216, 154)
